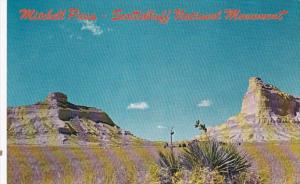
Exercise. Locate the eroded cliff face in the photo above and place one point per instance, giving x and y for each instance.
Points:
(57, 121)
(266, 101)
(266, 114)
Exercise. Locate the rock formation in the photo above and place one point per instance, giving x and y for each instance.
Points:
(56, 121)
(267, 114)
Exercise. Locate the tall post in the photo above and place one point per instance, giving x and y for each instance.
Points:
(171, 136)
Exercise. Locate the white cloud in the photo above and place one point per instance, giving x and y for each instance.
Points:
(161, 127)
(205, 103)
(92, 27)
(138, 105)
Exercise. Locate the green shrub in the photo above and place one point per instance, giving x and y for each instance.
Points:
(216, 157)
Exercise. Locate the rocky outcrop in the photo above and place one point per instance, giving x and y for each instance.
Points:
(265, 100)
(266, 114)
(57, 121)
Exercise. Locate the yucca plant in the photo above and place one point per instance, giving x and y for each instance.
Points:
(169, 166)
(168, 161)
(216, 157)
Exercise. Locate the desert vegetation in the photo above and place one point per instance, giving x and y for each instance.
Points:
(205, 162)
(71, 164)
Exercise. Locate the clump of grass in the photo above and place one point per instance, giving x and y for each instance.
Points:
(249, 178)
(169, 161)
(170, 166)
(204, 175)
(153, 176)
(209, 160)
(216, 157)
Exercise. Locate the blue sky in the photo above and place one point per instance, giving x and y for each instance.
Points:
(147, 76)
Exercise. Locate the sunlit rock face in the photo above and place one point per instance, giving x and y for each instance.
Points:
(57, 97)
(57, 121)
(265, 100)
(266, 114)
(251, 99)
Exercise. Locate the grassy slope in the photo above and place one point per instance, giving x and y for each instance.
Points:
(110, 165)
(276, 162)
(34, 164)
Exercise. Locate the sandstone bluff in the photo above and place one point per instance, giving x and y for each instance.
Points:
(267, 114)
(56, 121)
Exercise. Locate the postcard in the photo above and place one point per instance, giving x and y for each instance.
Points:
(152, 92)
